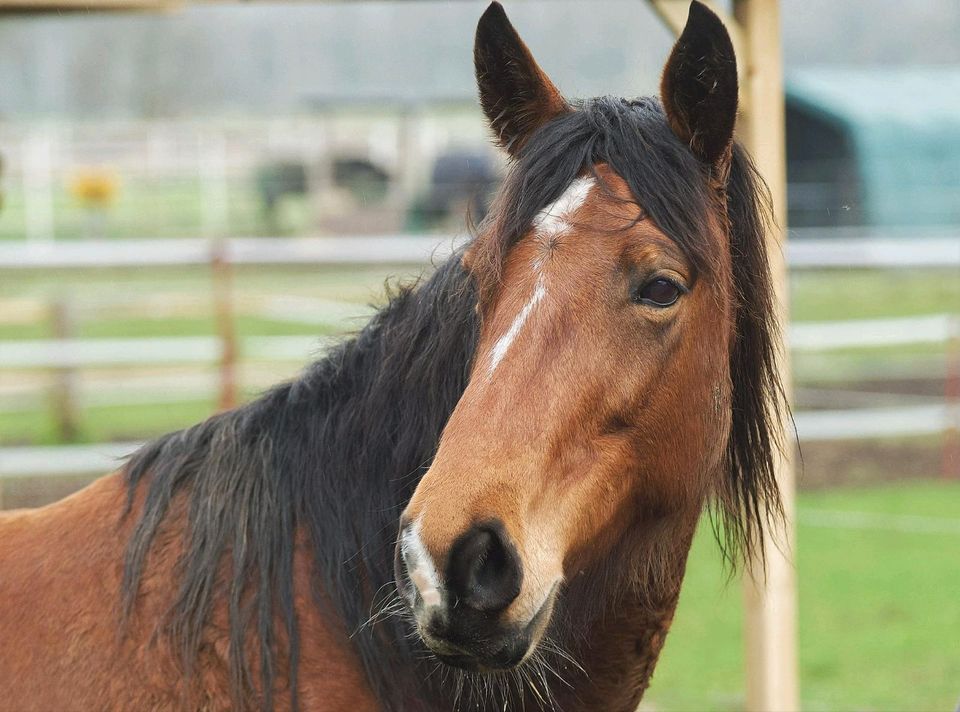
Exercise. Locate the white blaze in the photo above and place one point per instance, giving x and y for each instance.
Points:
(552, 221)
(420, 566)
(504, 342)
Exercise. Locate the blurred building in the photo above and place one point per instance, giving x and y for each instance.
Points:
(877, 147)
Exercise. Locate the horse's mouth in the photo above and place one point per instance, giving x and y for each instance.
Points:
(466, 647)
(507, 658)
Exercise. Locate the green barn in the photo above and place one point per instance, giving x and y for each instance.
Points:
(876, 147)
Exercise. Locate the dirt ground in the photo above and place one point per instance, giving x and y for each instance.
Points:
(841, 463)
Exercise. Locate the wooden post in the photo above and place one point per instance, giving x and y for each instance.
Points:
(65, 405)
(221, 274)
(405, 182)
(214, 189)
(770, 598)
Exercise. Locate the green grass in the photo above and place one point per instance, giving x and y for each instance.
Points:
(156, 207)
(88, 288)
(104, 423)
(879, 613)
(866, 294)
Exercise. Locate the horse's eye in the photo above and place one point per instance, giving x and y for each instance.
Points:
(659, 292)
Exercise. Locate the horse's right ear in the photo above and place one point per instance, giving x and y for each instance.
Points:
(515, 94)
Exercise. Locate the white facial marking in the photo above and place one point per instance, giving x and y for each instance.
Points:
(550, 222)
(420, 566)
(504, 342)
(553, 220)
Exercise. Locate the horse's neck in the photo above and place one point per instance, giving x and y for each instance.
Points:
(620, 656)
(622, 642)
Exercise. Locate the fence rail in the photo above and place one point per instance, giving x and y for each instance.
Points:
(151, 351)
(868, 333)
(802, 253)
(104, 352)
(59, 460)
(811, 426)
(378, 249)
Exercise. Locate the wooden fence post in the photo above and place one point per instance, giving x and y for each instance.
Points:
(65, 398)
(221, 273)
(770, 597)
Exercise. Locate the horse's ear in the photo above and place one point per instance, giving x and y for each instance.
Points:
(515, 94)
(699, 87)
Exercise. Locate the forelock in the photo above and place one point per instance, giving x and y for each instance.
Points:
(633, 138)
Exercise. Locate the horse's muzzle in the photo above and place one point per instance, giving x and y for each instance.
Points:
(460, 615)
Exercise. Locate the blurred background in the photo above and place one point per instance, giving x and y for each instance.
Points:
(164, 175)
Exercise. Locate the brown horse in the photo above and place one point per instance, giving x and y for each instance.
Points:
(546, 417)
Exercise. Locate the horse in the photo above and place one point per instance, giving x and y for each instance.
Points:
(485, 498)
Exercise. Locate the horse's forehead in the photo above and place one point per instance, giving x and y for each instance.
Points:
(597, 202)
(599, 187)
(615, 184)
(613, 208)
(607, 199)
(616, 191)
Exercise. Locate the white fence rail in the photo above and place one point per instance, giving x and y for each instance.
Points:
(381, 249)
(803, 253)
(102, 352)
(63, 459)
(873, 252)
(811, 426)
(153, 351)
(867, 333)
(866, 423)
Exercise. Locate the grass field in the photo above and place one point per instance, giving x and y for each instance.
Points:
(158, 207)
(879, 609)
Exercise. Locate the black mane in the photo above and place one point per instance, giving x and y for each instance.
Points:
(338, 452)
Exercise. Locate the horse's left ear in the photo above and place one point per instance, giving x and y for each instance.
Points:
(699, 88)
(516, 95)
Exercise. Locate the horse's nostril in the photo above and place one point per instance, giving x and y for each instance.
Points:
(484, 571)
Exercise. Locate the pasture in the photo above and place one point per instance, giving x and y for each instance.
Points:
(878, 611)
